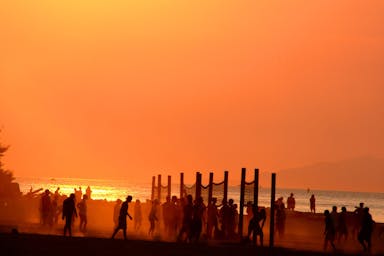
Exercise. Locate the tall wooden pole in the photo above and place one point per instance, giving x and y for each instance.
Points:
(272, 221)
(225, 186)
(210, 188)
(242, 189)
(153, 188)
(256, 190)
(181, 185)
(210, 191)
(169, 186)
(198, 185)
(159, 187)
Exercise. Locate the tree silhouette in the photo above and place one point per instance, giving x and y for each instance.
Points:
(6, 176)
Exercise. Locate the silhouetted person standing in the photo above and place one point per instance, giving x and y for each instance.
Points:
(46, 208)
(343, 228)
(291, 202)
(329, 232)
(335, 219)
(365, 233)
(359, 213)
(69, 211)
(197, 219)
(152, 217)
(187, 220)
(138, 215)
(166, 210)
(280, 217)
(123, 218)
(88, 192)
(312, 203)
(213, 215)
(175, 216)
(249, 211)
(83, 213)
(231, 218)
(225, 215)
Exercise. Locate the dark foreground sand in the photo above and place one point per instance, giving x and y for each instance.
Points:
(303, 236)
(40, 245)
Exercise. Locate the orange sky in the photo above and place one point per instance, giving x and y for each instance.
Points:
(130, 89)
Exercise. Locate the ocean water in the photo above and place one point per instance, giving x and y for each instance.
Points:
(111, 190)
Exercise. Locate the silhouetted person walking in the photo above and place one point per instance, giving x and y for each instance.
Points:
(69, 211)
(254, 227)
(329, 232)
(365, 233)
(123, 218)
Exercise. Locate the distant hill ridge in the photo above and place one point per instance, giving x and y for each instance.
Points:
(357, 174)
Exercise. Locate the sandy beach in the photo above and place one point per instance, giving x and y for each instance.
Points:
(303, 236)
(33, 244)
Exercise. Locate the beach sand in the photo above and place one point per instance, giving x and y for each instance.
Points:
(40, 245)
(303, 236)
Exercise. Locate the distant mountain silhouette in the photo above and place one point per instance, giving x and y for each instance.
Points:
(358, 174)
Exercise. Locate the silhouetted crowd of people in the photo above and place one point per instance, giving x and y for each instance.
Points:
(339, 224)
(53, 205)
(187, 219)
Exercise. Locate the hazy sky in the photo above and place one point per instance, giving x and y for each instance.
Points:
(130, 89)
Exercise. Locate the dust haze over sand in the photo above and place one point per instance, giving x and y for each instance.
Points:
(304, 231)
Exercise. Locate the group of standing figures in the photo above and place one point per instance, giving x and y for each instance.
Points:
(337, 223)
(183, 219)
(50, 209)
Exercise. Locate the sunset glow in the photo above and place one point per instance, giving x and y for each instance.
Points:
(129, 89)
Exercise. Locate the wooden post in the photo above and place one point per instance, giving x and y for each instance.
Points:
(225, 186)
(169, 186)
(272, 221)
(159, 188)
(210, 188)
(256, 190)
(198, 185)
(210, 191)
(242, 189)
(181, 185)
(153, 188)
